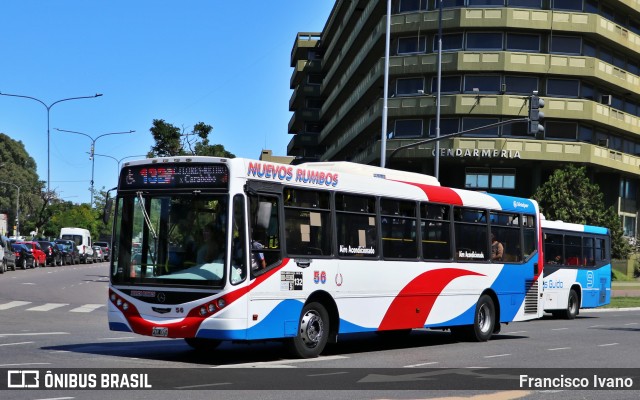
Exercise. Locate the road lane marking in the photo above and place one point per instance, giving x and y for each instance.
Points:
(47, 307)
(420, 365)
(87, 308)
(513, 333)
(13, 344)
(279, 363)
(22, 364)
(497, 355)
(13, 304)
(559, 329)
(608, 344)
(33, 334)
(560, 348)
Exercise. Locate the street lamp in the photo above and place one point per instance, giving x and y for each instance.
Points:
(48, 107)
(118, 160)
(17, 230)
(93, 146)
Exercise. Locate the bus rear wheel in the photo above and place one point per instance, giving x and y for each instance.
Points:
(203, 344)
(313, 332)
(572, 306)
(483, 322)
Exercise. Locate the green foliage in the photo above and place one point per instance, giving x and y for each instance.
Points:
(570, 196)
(19, 169)
(172, 141)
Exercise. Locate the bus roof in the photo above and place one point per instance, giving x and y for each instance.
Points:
(568, 226)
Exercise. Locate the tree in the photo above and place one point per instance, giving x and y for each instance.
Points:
(172, 141)
(19, 168)
(570, 196)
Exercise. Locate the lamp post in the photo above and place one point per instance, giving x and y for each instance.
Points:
(48, 107)
(117, 160)
(92, 153)
(17, 231)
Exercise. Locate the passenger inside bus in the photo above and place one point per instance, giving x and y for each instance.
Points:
(212, 248)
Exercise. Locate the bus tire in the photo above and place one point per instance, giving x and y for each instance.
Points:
(203, 344)
(484, 319)
(313, 332)
(483, 323)
(573, 304)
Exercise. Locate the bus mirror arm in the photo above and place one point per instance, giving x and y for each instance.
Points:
(303, 262)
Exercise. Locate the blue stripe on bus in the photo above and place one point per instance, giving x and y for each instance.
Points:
(514, 204)
(595, 229)
(119, 326)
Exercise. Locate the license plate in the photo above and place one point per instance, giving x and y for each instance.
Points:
(162, 332)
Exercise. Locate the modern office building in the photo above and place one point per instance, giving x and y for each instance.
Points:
(582, 56)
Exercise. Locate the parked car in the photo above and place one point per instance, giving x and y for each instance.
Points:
(70, 247)
(38, 254)
(52, 254)
(98, 255)
(24, 256)
(9, 257)
(106, 249)
(66, 257)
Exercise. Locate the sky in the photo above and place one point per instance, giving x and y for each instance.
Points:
(224, 63)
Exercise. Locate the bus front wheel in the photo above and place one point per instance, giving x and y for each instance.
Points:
(313, 332)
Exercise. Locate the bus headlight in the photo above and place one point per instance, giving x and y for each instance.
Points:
(203, 311)
(211, 308)
(222, 303)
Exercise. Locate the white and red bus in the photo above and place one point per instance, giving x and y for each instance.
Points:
(309, 252)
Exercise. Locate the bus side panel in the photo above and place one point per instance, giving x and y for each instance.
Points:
(556, 285)
(228, 324)
(596, 286)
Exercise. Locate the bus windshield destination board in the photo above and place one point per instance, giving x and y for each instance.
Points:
(179, 176)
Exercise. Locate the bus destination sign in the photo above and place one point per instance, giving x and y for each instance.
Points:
(178, 176)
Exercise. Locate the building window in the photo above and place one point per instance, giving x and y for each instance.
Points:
(571, 5)
(566, 44)
(516, 129)
(484, 41)
(450, 84)
(483, 84)
(407, 128)
(447, 126)
(314, 103)
(629, 226)
(451, 42)
(471, 123)
(412, 45)
(314, 79)
(563, 87)
(411, 5)
(585, 134)
(628, 188)
(484, 3)
(409, 86)
(450, 4)
(520, 84)
(503, 178)
(525, 3)
(476, 178)
(523, 42)
(560, 130)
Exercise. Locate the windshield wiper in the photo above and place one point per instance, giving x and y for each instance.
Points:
(147, 222)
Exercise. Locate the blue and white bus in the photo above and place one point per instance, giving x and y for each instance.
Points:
(577, 267)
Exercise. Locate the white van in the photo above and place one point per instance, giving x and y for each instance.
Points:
(82, 238)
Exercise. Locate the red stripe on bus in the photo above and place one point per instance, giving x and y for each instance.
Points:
(413, 304)
(438, 194)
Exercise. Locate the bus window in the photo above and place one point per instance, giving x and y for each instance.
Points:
(307, 228)
(573, 249)
(553, 248)
(588, 252)
(530, 236)
(436, 227)
(472, 242)
(506, 228)
(398, 223)
(265, 232)
(239, 241)
(356, 226)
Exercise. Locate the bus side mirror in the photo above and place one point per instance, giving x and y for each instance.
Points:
(264, 214)
(106, 213)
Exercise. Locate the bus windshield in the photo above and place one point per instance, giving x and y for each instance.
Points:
(165, 239)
